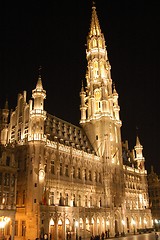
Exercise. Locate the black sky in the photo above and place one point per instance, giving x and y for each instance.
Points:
(53, 34)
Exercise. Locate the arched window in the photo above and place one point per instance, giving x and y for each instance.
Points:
(94, 42)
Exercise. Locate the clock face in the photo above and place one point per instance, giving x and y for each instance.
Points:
(41, 174)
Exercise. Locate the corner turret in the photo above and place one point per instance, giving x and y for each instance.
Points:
(4, 114)
(139, 155)
(37, 114)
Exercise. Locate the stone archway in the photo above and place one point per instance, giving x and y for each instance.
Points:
(116, 227)
(60, 232)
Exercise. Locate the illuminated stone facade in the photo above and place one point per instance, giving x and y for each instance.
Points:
(8, 176)
(154, 196)
(77, 180)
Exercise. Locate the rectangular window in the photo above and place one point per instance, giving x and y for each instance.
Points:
(51, 198)
(74, 200)
(66, 200)
(7, 161)
(23, 228)
(66, 171)
(90, 176)
(7, 199)
(12, 198)
(13, 180)
(24, 197)
(85, 201)
(61, 169)
(16, 228)
(95, 176)
(85, 174)
(79, 173)
(100, 179)
(74, 172)
(17, 197)
(6, 179)
(52, 167)
(79, 200)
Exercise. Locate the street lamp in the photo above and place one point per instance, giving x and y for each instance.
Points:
(4, 221)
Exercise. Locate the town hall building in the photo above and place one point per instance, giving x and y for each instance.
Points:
(72, 180)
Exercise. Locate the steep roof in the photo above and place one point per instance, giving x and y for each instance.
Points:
(67, 133)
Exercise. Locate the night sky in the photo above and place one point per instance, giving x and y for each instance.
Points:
(53, 34)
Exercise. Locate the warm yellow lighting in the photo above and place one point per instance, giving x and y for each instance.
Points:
(156, 221)
(71, 203)
(51, 222)
(41, 174)
(59, 222)
(80, 220)
(123, 222)
(98, 220)
(107, 222)
(67, 221)
(4, 221)
(92, 221)
(76, 223)
(145, 222)
(133, 222)
(140, 221)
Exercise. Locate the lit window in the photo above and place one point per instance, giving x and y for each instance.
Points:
(66, 171)
(52, 198)
(52, 166)
(79, 173)
(74, 172)
(61, 168)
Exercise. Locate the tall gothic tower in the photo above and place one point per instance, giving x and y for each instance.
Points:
(99, 101)
(100, 113)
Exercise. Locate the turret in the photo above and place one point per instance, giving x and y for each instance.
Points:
(83, 106)
(4, 123)
(139, 155)
(37, 114)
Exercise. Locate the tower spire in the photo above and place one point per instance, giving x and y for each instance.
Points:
(39, 82)
(95, 29)
(99, 103)
(39, 71)
(93, 4)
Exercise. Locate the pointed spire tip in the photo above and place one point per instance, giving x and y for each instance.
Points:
(93, 4)
(39, 71)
